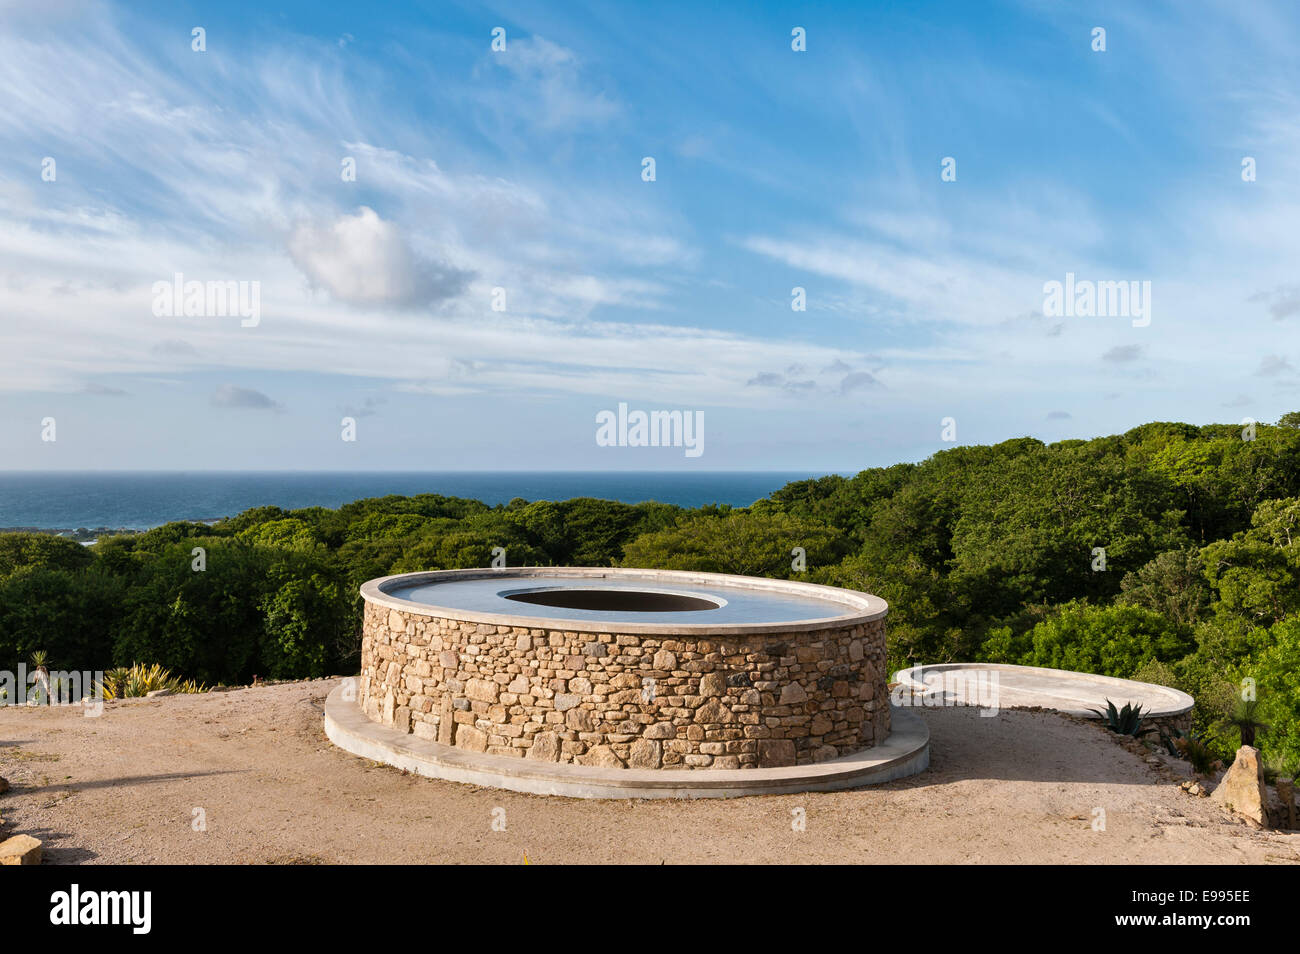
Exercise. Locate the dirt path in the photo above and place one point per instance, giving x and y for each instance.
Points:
(1020, 787)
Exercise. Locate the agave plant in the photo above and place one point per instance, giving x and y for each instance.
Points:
(140, 680)
(1126, 721)
(1193, 747)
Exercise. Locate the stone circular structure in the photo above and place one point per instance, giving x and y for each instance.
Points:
(1001, 685)
(626, 669)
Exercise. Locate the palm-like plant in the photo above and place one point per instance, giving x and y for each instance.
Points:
(41, 674)
(1244, 719)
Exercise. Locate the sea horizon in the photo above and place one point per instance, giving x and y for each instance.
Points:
(142, 499)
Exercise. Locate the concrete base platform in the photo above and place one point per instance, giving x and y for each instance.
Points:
(905, 752)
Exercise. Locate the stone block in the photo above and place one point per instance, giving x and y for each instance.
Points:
(645, 753)
(471, 739)
(774, 753)
(20, 850)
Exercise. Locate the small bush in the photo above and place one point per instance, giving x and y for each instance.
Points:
(127, 682)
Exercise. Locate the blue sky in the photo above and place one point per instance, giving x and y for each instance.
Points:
(521, 170)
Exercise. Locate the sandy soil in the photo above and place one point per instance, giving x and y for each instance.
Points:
(1021, 787)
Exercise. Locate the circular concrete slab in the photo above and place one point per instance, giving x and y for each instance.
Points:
(998, 686)
(905, 752)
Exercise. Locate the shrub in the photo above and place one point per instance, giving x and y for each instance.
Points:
(140, 680)
(1108, 640)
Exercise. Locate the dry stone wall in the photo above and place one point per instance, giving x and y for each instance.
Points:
(627, 700)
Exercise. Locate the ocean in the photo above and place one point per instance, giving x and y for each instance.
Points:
(140, 500)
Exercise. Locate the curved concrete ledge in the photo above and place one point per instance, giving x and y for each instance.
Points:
(905, 752)
(854, 607)
(1074, 693)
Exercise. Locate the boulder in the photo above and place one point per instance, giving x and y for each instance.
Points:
(1243, 789)
(20, 850)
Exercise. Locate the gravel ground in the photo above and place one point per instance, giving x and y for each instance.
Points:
(1021, 787)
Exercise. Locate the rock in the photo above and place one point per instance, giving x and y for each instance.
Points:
(792, 693)
(713, 684)
(1243, 789)
(402, 719)
(646, 753)
(579, 720)
(713, 712)
(545, 747)
(659, 730)
(482, 690)
(595, 649)
(1285, 794)
(20, 850)
(773, 753)
(566, 701)
(396, 622)
(601, 756)
(471, 739)
(160, 692)
(446, 723)
(665, 660)
(825, 753)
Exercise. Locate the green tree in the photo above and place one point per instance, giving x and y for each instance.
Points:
(1108, 640)
(41, 551)
(70, 615)
(1173, 584)
(739, 542)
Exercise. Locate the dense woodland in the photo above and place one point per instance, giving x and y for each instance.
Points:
(985, 553)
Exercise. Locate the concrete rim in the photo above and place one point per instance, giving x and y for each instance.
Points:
(860, 607)
(1179, 701)
(905, 752)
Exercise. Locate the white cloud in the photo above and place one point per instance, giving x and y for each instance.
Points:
(363, 260)
(230, 396)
